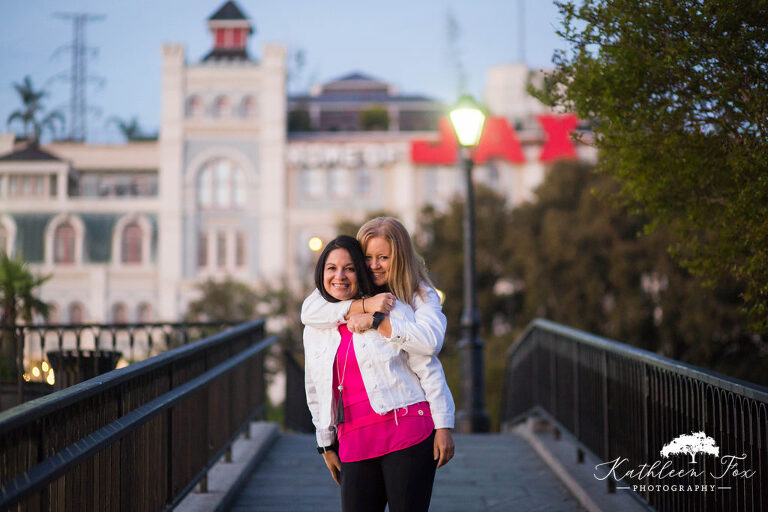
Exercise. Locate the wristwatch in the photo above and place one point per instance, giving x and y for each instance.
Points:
(377, 318)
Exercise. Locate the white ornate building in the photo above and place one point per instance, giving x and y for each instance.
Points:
(128, 230)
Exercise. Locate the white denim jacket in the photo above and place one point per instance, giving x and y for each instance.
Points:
(397, 371)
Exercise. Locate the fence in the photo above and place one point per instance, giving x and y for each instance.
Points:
(137, 438)
(620, 402)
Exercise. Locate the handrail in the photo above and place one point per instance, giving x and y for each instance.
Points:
(137, 438)
(622, 403)
(34, 409)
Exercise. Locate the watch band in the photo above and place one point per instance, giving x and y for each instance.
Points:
(330, 448)
(377, 318)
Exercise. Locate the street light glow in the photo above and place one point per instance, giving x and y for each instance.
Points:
(467, 119)
(315, 244)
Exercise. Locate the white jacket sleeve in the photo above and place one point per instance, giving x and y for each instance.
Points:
(321, 314)
(425, 334)
(432, 379)
(325, 436)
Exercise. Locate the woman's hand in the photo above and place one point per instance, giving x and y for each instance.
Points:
(360, 323)
(382, 302)
(443, 449)
(333, 462)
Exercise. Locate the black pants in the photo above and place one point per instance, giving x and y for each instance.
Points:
(403, 479)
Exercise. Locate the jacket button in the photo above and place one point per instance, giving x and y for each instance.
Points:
(421, 413)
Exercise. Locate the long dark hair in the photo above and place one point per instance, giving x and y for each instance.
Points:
(355, 250)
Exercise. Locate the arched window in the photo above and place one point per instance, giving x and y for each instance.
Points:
(221, 185)
(144, 313)
(248, 107)
(54, 314)
(64, 243)
(119, 313)
(76, 313)
(131, 243)
(221, 107)
(194, 106)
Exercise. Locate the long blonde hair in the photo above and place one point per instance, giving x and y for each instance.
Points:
(407, 270)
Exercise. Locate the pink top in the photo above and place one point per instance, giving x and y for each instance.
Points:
(364, 433)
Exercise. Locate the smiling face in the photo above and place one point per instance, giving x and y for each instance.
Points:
(378, 258)
(339, 277)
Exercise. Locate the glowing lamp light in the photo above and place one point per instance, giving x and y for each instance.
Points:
(467, 119)
(51, 379)
(315, 244)
(36, 371)
(44, 366)
(27, 378)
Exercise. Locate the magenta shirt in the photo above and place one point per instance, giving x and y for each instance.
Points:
(364, 433)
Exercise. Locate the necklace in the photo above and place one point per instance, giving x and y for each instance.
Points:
(340, 378)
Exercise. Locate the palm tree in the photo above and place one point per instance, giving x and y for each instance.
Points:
(32, 109)
(130, 129)
(18, 300)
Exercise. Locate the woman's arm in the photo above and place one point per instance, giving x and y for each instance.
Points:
(319, 313)
(432, 378)
(325, 436)
(424, 334)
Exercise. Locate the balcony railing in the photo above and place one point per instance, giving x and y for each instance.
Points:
(618, 402)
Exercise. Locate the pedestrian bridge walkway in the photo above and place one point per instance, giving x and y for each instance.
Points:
(144, 437)
(489, 472)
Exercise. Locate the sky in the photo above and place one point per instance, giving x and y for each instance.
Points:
(404, 42)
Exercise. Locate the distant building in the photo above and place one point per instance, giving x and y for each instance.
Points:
(242, 176)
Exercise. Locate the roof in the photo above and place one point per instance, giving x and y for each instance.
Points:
(227, 54)
(361, 98)
(228, 11)
(356, 76)
(29, 152)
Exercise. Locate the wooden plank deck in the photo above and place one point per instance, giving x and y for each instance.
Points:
(490, 472)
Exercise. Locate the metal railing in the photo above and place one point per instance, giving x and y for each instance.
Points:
(78, 352)
(620, 402)
(137, 438)
(297, 416)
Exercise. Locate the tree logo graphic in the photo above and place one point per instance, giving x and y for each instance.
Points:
(691, 444)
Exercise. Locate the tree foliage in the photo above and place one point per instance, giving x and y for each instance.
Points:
(18, 301)
(227, 300)
(577, 256)
(131, 130)
(31, 111)
(680, 94)
(374, 118)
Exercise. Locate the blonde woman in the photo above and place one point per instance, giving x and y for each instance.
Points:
(405, 324)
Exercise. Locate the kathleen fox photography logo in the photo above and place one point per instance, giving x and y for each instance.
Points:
(667, 478)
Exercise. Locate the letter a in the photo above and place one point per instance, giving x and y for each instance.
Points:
(499, 141)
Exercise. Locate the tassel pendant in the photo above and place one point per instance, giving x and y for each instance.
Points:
(340, 409)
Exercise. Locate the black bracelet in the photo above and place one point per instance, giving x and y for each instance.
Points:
(330, 448)
(363, 304)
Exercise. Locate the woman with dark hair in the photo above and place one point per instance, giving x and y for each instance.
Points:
(377, 392)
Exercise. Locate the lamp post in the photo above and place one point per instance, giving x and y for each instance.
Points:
(467, 120)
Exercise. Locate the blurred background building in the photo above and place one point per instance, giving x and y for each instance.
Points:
(243, 175)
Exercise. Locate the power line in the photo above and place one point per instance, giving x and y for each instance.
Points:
(78, 76)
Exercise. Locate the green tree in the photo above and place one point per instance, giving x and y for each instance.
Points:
(680, 94)
(31, 110)
(131, 129)
(227, 300)
(374, 118)
(584, 262)
(18, 300)
(441, 243)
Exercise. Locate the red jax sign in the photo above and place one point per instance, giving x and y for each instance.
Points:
(499, 140)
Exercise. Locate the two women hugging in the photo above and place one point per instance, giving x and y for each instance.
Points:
(380, 404)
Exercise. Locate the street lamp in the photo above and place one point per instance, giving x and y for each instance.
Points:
(467, 119)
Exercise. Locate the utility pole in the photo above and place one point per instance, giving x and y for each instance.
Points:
(78, 77)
